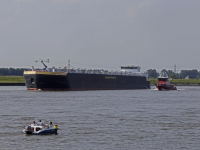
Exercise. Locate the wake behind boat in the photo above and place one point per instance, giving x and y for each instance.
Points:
(40, 129)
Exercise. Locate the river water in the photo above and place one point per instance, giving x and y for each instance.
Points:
(99, 120)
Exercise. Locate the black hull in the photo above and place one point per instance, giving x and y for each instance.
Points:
(80, 81)
(28, 132)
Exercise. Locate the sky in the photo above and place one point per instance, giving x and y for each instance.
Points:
(100, 34)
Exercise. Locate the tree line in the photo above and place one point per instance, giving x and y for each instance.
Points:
(12, 71)
(151, 72)
(182, 75)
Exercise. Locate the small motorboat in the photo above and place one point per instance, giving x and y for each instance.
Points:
(36, 129)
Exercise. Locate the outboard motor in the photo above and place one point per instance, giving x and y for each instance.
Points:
(28, 130)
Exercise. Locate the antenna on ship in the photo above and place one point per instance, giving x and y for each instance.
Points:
(68, 64)
(42, 61)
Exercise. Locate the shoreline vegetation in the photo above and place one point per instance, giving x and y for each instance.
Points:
(12, 79)
(153, 82)
(179, 82)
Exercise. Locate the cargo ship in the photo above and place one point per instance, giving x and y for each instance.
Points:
(68, 79)
(164, 83)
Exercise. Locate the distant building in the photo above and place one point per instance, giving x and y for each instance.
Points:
(191, 77)
(130, 69)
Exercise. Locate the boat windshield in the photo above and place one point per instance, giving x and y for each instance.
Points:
(163, 75)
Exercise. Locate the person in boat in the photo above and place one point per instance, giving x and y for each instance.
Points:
(40, 123)
(56, 126)
(33, 123)
(50, 125)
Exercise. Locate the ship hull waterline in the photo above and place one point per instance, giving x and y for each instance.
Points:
(164, 88)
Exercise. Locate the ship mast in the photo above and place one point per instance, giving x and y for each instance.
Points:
(68, 64)
(175, 69)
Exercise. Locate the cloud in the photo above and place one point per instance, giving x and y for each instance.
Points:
(71, 1)
(24, 0)
(11, 18)
(131, 11)
(49, 0)
(145, 3)
(17, 11)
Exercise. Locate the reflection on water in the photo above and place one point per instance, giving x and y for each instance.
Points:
(126, 119)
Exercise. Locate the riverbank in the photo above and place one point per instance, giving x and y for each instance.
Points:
(19, 81)
(179, 82)
(12, 84)
(12, 79)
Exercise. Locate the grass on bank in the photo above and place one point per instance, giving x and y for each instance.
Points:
(20, 79)
(179, 81)
(12, 79)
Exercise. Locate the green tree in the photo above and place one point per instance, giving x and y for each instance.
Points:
(12, 71)
(169, 72)
(173, 76)
(185, 73)
(152, 73)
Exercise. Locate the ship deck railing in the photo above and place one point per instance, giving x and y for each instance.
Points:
(105, 72)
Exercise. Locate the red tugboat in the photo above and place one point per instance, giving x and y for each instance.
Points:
(164, 83)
